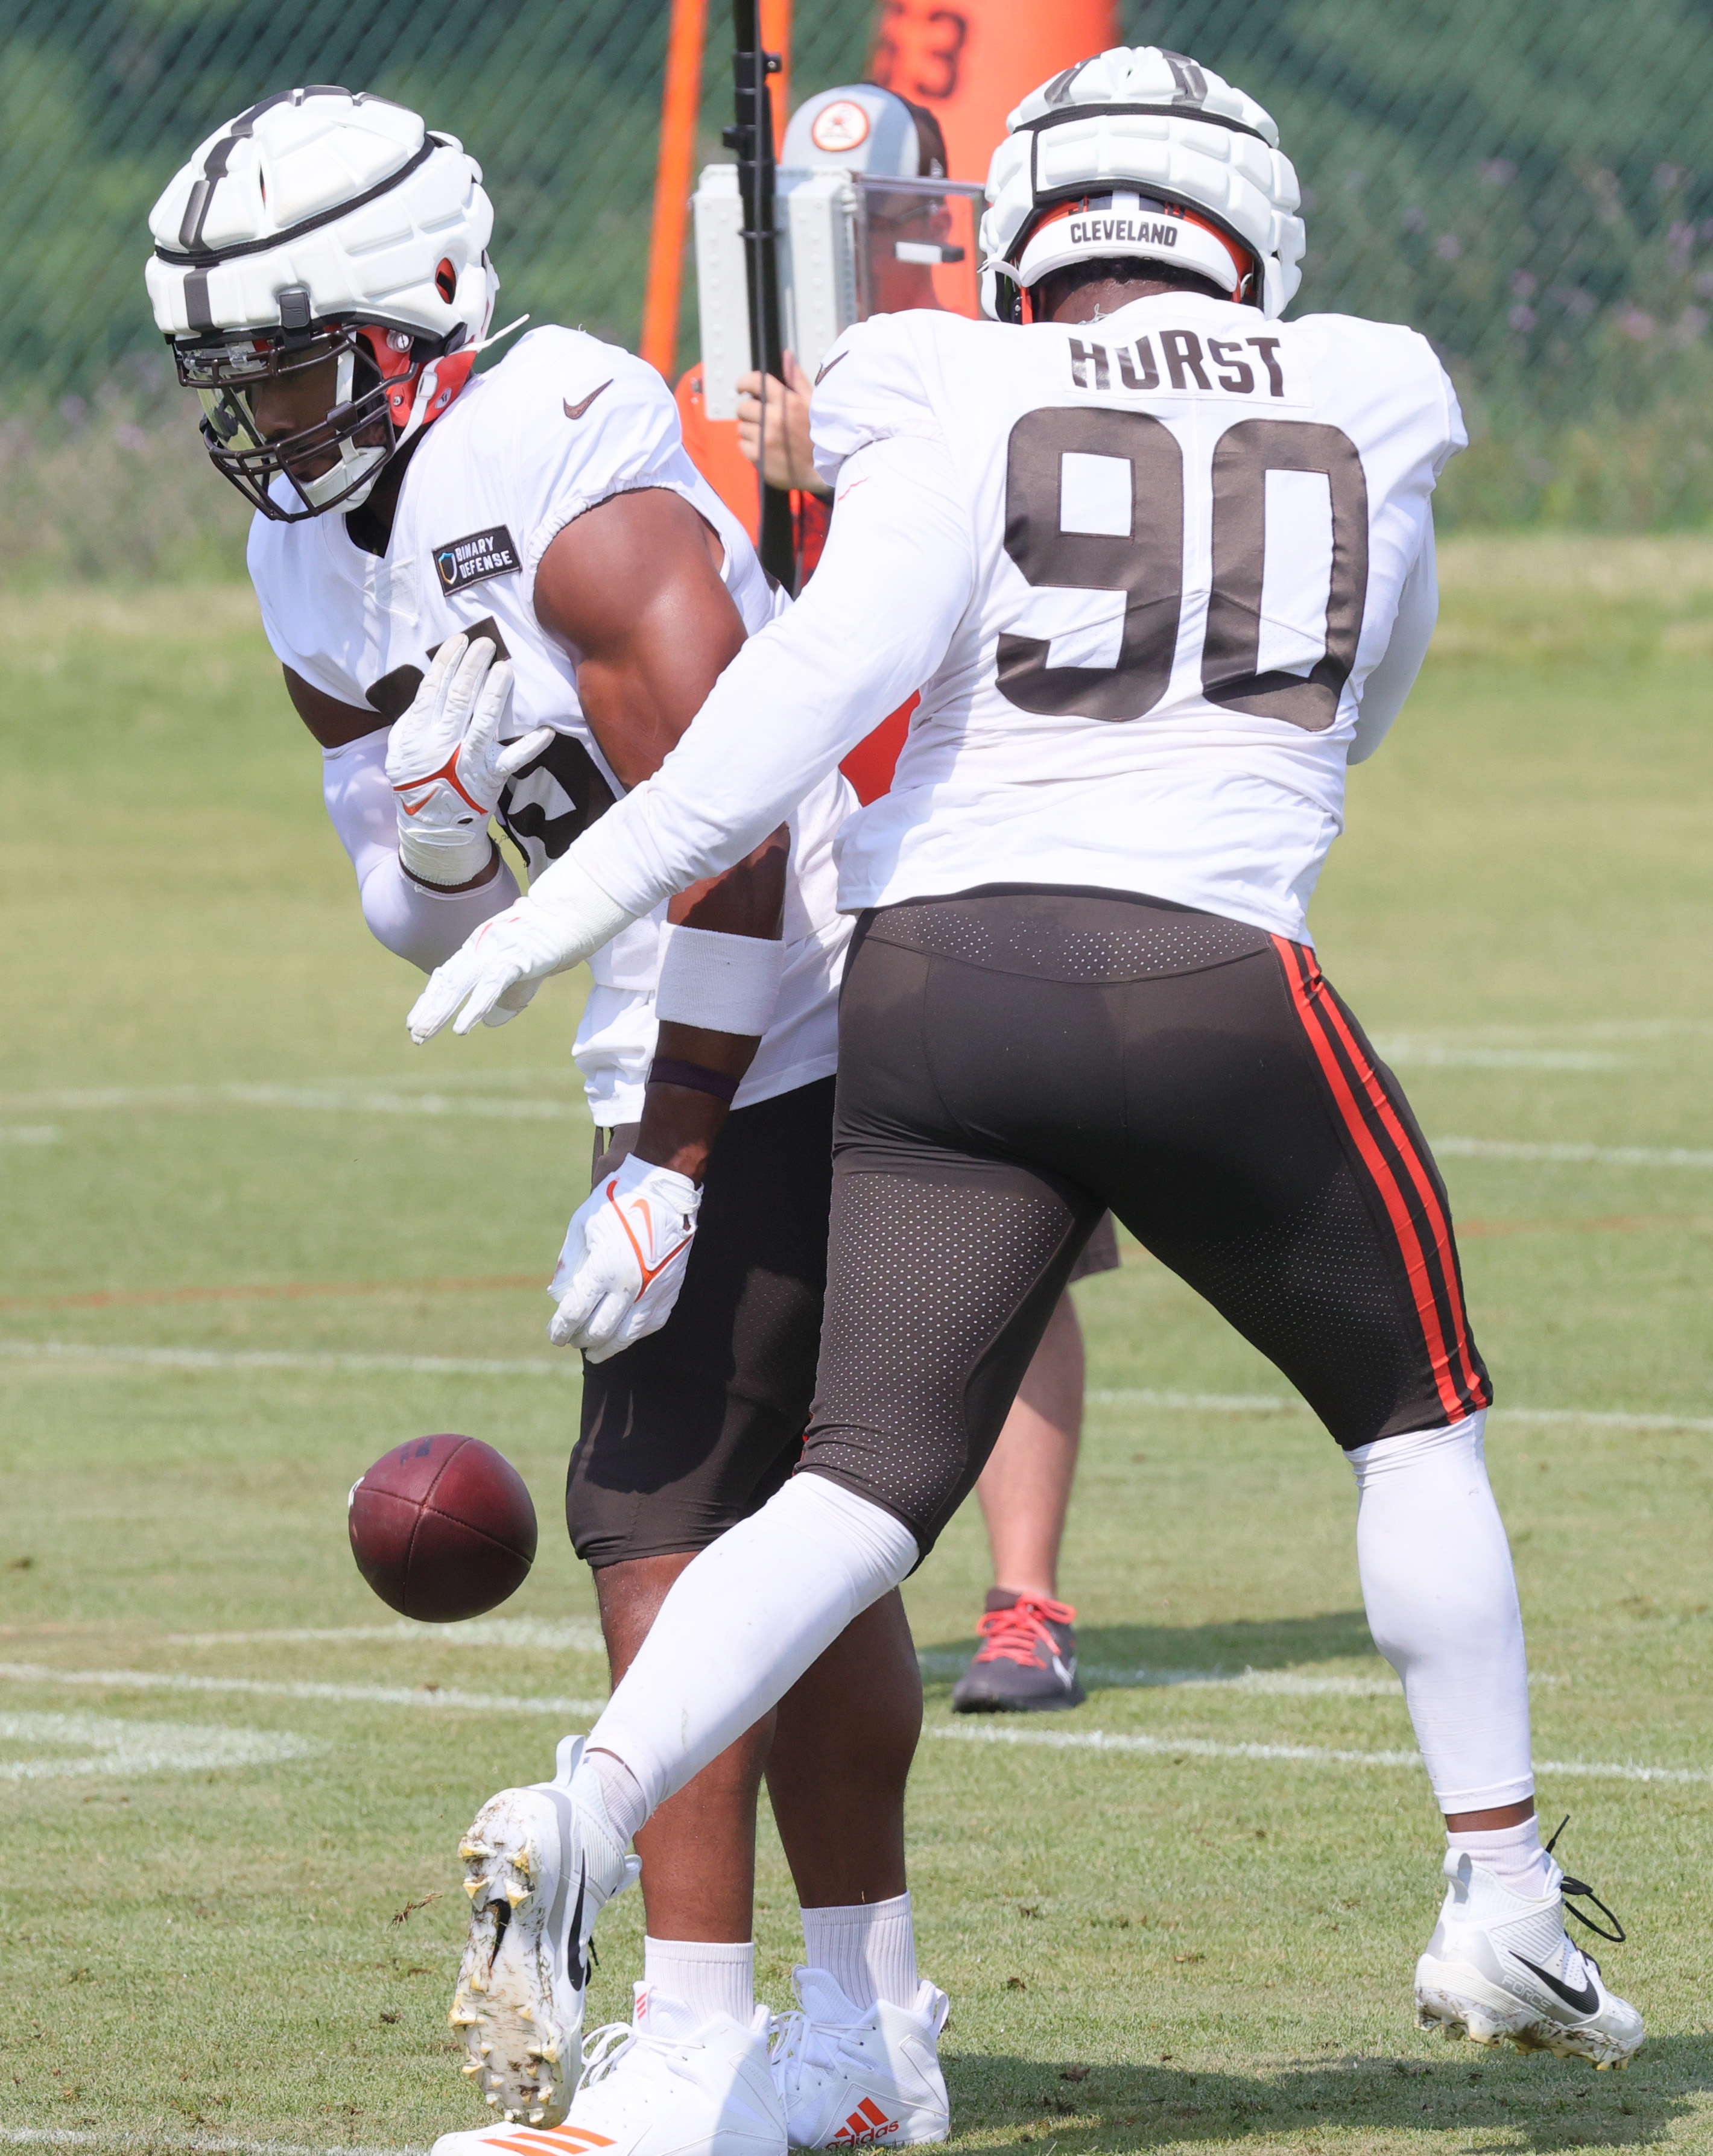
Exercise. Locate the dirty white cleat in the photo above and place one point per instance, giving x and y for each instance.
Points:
(848, 2074)
(540, 1863)
(1500, 1967)
(662, 2084)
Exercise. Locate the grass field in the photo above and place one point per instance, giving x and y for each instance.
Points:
(254, 1238)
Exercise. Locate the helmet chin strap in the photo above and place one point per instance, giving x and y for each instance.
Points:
(362, 465)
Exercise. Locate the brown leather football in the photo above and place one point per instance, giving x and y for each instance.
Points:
(442, 1528)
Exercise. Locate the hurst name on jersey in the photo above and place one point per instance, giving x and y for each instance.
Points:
(1189, 529)
(561, 425)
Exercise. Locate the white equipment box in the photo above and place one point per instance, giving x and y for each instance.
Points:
(849, 246)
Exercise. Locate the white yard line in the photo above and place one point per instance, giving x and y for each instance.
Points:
(1279, 1403)
(98, 1354)
(435, 1697)
(1311, 1755)
(103, 1355)
(200, 2144)
(107, 1747)
(338, 1099)
(1424, 1051)
(555, 1635)
(131, 1746)
(1676, 1157)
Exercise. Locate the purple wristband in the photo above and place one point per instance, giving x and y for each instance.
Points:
(697, 1077)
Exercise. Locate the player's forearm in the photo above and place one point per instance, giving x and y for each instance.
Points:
(411, 919)
(873, 625)
(696, 1070)
(1392, 680)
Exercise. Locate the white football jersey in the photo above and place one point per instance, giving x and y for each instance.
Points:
(1189, 529)
(563, 423)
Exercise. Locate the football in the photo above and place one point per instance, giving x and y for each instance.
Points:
(442, 1527)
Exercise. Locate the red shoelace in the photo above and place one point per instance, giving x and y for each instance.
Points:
(1018, 1633)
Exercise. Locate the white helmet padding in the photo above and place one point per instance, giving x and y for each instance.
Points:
(1140, 118)
(320, 224)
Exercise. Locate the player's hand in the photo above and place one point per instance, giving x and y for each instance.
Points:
(445, 764)
(493, 974)
(624, 1260)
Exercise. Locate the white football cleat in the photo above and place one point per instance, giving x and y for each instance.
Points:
(539, 1866)
(660, 2084)
(1500, 1967)
(848, 2075)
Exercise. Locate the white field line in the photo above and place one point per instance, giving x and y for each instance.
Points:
(553, 1635)
(141, 1746)
(1311, 1755)
(1678, 1157)
(1421, 1051)
(138, 1747)
(436, 1696)
(950, 1662)
(1277, 1403)
(101, 1355)
(336, 1099)
(28, 1134)
(198, 2144)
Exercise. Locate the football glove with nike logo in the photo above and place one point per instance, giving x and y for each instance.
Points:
(624, 1258)
(445, 763)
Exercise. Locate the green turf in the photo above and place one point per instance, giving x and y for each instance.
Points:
(1145, 1949)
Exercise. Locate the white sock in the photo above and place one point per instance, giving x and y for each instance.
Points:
(742, 1622)
(1442, 1603)
(867, 1948)
(706, 1978)
(1514, 1857)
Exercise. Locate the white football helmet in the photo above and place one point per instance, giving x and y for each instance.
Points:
(320, 225)
(1140, 152)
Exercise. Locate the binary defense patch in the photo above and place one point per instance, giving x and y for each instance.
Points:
(462, 563)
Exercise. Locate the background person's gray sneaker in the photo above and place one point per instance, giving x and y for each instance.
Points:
(1027, 1659)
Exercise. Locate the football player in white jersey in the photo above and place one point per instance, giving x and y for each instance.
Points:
(1165, 563)
(509, 592)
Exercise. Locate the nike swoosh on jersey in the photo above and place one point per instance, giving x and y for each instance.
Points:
(1584, 2001)
(828, 366)
(576, 411)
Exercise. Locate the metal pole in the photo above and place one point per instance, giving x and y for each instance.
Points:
(752, 139)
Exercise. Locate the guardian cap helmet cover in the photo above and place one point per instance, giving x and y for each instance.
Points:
(322, 225)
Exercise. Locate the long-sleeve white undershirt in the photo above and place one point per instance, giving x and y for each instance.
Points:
(425, 926)
(1393, 676)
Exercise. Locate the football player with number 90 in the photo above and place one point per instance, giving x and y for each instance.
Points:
(1165, 563)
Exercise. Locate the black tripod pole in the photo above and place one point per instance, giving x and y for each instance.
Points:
(752, 139)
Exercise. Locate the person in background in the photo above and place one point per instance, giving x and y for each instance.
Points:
(1027, 1658)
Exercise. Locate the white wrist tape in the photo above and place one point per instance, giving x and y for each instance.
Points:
(727, 983)
(442, 857)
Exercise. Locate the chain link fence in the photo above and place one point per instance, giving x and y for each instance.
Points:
(1531, 185)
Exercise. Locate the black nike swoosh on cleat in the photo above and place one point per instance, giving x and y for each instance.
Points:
(574, 1942)
(1584, 2001)
(576, 411)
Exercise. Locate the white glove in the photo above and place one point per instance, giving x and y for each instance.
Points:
(623, 1264)
(445, 765)
(566, 916)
